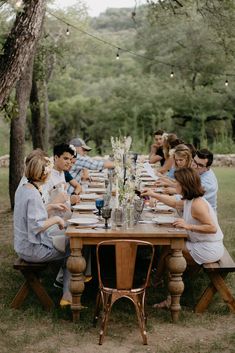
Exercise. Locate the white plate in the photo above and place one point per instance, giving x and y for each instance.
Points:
(98, 190)
(147, 178)
(84, 207)
(163, 208)
(89, 196)
(81, 220)
(164, 219)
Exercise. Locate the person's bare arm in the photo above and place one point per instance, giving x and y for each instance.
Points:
(53, 220)
(166, 199)
(76, 185)
(108, 164)
(200, 211)
(154, 158)
(167, 165)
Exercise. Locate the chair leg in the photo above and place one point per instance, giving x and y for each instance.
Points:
(107, 309)
(97, 308)
(141, 317)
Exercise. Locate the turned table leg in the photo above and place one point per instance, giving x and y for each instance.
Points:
(176, 266)
(76, 264)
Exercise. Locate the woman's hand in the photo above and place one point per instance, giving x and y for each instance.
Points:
(180, 223)
(60, 222)
(148, 192)
(74, 199)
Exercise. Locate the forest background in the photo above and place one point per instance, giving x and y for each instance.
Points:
(80, 88)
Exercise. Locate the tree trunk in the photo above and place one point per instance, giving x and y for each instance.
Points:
(36, 118)
(19, 45)
(17, 133)
(46, 116)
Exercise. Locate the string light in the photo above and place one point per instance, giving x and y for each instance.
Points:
(67, 32)
(18, 3)
(172, 73)
(226, 83)
(130, 51)
(118, 55)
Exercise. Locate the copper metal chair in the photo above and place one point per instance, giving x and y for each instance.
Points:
(124, 282)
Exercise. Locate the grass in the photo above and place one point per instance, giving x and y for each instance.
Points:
(30, 329)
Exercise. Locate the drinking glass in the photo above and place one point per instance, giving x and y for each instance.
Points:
(106, 214)
(99, 204)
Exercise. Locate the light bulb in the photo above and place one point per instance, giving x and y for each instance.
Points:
(67, 32)
(172, 74)
(18, 3)
(117, 56)
(226, 83)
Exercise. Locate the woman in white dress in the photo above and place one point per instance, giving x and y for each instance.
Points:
(205, 238)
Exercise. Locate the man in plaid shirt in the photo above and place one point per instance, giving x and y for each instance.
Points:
(84, 162)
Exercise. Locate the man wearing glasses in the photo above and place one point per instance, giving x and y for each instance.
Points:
(202, 162)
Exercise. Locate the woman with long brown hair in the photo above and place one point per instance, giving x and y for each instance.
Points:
(205, 238)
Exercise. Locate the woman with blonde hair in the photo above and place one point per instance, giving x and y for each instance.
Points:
(170, 141)
(33, 229)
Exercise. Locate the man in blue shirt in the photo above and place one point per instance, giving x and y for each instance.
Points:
(202, 162)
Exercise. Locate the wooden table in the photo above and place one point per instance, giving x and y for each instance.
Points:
(155, 234)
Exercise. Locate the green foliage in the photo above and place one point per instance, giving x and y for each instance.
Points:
(95, 96)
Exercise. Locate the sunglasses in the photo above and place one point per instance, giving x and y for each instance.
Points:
(199, 165)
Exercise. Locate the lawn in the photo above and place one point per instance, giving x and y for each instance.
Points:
(30, 329)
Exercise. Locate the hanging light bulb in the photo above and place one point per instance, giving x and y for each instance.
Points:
(172, 74)
(226, 83)
(67, 32)
(117, 55)
(18, 3)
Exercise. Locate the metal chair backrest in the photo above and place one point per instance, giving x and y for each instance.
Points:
(131, 262)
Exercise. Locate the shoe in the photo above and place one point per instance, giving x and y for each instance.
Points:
(87, 279)
(64, 303)
(165, 304)
(58, 284)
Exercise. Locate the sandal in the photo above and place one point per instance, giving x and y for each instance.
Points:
(165, 304)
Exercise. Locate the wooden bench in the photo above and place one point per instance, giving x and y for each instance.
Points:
(31, 273)
(217, 273)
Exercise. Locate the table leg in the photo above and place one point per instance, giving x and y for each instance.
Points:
(76, 264)
(176, 266)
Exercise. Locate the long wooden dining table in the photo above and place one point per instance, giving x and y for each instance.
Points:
(151, 232)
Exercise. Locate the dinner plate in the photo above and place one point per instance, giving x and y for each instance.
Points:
(163, 208)
(84, 207)
(83, 220)
(147, 178)
(97, 190)
(164, 219)
(89, 196)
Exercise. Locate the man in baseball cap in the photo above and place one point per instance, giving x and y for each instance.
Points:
(80, 144)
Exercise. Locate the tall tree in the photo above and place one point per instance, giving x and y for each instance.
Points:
(19, 45)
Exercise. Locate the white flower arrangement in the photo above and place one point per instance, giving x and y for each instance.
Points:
(49, 166)
(125, 186)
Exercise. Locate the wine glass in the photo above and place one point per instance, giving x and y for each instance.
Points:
(106, 214)
(99, 204)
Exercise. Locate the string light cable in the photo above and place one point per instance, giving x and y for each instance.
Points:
(121, 49)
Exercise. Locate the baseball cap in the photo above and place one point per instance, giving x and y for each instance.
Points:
(78, 142)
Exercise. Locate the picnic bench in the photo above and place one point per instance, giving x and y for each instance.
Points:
(217, 272)
(31, 272)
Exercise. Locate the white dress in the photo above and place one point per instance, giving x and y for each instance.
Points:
(204, 248)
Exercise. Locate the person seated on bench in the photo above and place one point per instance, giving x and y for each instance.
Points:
(205, 238)
(33, 230)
